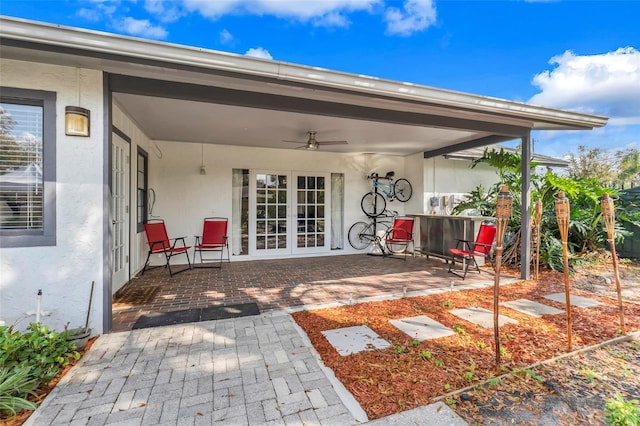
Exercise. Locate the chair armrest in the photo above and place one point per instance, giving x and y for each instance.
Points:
(175, 241)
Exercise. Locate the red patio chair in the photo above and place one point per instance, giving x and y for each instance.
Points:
(399, 236)
(159, 243)
(214, 238)
(467, 251)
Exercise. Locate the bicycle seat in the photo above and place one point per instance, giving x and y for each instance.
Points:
(389, 175)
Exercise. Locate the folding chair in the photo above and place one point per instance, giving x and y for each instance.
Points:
(467, 251)
(159, 243)
(214, 238)
(399, 236)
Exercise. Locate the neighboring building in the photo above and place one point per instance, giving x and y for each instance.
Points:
(183, 133)
(448, 178)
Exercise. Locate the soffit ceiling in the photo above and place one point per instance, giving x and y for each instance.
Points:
(200, 122)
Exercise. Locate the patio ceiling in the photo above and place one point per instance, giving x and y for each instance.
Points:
(185, 94)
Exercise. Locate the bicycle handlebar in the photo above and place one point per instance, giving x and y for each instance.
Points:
(376, 176)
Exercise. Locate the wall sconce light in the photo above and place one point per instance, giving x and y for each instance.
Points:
(76, 121)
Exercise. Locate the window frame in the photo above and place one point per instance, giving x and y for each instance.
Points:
(145, 207)
(47, 235)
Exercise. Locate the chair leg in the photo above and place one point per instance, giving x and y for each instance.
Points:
(146, 264)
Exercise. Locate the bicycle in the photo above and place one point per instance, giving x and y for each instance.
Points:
(374, 203)
(362, 234)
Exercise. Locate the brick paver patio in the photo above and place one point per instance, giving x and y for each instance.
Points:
(286, 284)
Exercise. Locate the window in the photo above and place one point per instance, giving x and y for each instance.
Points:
(27, 168)
(142, 188)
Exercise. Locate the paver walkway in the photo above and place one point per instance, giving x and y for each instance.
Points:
(247, 371)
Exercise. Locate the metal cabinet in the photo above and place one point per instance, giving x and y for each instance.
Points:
(439, 233)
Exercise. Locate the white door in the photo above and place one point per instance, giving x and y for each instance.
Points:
(119, 212)
(290, 213)
(313, 213)
(270, 213)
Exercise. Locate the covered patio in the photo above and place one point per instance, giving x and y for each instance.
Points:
(289, 284)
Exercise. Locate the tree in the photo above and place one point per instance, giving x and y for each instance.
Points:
(619, 169)
(592, 164)
(629, 168)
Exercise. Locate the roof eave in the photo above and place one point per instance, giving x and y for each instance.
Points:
(57, 35)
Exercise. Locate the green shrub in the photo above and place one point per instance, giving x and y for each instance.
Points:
(40, 350)
(621, 412)
(15, 386)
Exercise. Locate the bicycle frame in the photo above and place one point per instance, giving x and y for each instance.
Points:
(387, 188)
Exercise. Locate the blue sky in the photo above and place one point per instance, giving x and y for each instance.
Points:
(578, 55)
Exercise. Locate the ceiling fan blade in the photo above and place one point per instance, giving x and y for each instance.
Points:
(332, 142)
(301, 142)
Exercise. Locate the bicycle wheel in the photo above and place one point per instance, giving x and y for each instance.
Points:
(402, 190)
(373, 204)
(360, 235)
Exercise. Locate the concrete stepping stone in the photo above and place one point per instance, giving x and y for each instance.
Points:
(481, 317)
(579, 301)
(532, 308)
(351, 340)
(422, 327)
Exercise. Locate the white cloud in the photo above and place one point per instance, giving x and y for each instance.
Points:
(165, 10)
(320, 12)
(225, 37)
(417, 15)
(259, 52)
(140, 27)
(92, 15)
(606, 84)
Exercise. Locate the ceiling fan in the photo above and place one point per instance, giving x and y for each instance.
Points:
(312, 144)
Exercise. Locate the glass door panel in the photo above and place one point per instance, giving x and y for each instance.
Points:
(271, 197)
(311, 208)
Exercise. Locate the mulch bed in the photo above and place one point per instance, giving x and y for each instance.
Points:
(411, 374)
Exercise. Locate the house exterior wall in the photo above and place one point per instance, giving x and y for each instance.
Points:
(451, 180)
(184, 197)
(64, 271)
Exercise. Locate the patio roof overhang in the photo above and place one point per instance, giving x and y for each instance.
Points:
(193, 91)
(187, 94)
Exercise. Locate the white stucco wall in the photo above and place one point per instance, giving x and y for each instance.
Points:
(184, 197)
(452, 180)
(65, 271)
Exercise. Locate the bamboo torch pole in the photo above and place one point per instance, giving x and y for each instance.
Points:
(503, 213)
(609, 215)
(562, 216)
(538, 224)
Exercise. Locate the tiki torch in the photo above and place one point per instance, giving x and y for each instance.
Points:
(609, 215)
(503, 213)
(562, 216)
(537, 224)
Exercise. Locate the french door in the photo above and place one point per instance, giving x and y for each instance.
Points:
(119, 212)
(290, 213)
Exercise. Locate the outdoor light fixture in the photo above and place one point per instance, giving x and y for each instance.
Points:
(503, 214)
(203, 168)
(563, 213)
(76, 121)
(609, 216)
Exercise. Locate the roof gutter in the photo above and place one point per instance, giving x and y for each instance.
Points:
(111, 44)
